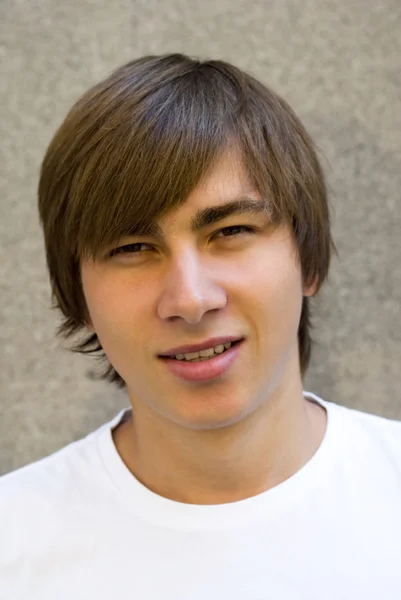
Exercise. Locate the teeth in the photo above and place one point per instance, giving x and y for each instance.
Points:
(191, 355)
(219, 349)
(204, 354)
(207, 352)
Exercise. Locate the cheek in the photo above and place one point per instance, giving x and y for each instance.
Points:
(273, 294)
(271, 274)
(116, 307)
(119, 317)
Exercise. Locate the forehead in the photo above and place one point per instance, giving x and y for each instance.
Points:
(228, 176)
(227, 181)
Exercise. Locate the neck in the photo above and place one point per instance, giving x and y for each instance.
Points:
(226, 464)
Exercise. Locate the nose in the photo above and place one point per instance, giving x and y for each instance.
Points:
(190, 290)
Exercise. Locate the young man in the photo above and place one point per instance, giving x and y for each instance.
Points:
(186, 228)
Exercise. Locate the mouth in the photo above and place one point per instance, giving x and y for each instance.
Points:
(194, 367)
(204, 352)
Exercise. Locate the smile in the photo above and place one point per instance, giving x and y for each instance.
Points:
(197, 368)
(202, 355)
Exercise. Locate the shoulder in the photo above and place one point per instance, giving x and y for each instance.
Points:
(36, 499)
(375, 426)
(25, 498)
(381, 432)
(360, 432)
(48, 479)
(371, 443)
(29, 489)
(369, 422)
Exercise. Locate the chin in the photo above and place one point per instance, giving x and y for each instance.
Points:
(211, 415)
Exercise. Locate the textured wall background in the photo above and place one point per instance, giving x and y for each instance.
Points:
(336, 62)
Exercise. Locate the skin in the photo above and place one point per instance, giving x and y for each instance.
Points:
(243, 433)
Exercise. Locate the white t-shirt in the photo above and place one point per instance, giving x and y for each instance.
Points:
(78, 525)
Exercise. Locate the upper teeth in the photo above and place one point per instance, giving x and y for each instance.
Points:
(204, 353)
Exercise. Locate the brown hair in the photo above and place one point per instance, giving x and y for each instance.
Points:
(136, 144)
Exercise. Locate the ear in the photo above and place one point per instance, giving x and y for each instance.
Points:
(310, 289)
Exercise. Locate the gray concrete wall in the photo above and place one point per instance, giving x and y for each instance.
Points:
(336, 62)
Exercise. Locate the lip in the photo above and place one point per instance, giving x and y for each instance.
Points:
(210, 343)
(204, 370)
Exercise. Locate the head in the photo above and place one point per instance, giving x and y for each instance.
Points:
(158, 140)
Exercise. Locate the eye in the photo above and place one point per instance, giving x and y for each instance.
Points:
(235, 231)
(128, 249)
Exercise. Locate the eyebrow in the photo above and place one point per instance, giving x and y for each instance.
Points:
(205, 217)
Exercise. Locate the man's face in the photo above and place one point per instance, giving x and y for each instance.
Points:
(237, 277)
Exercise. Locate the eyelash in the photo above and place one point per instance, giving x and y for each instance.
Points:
(245, 231)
